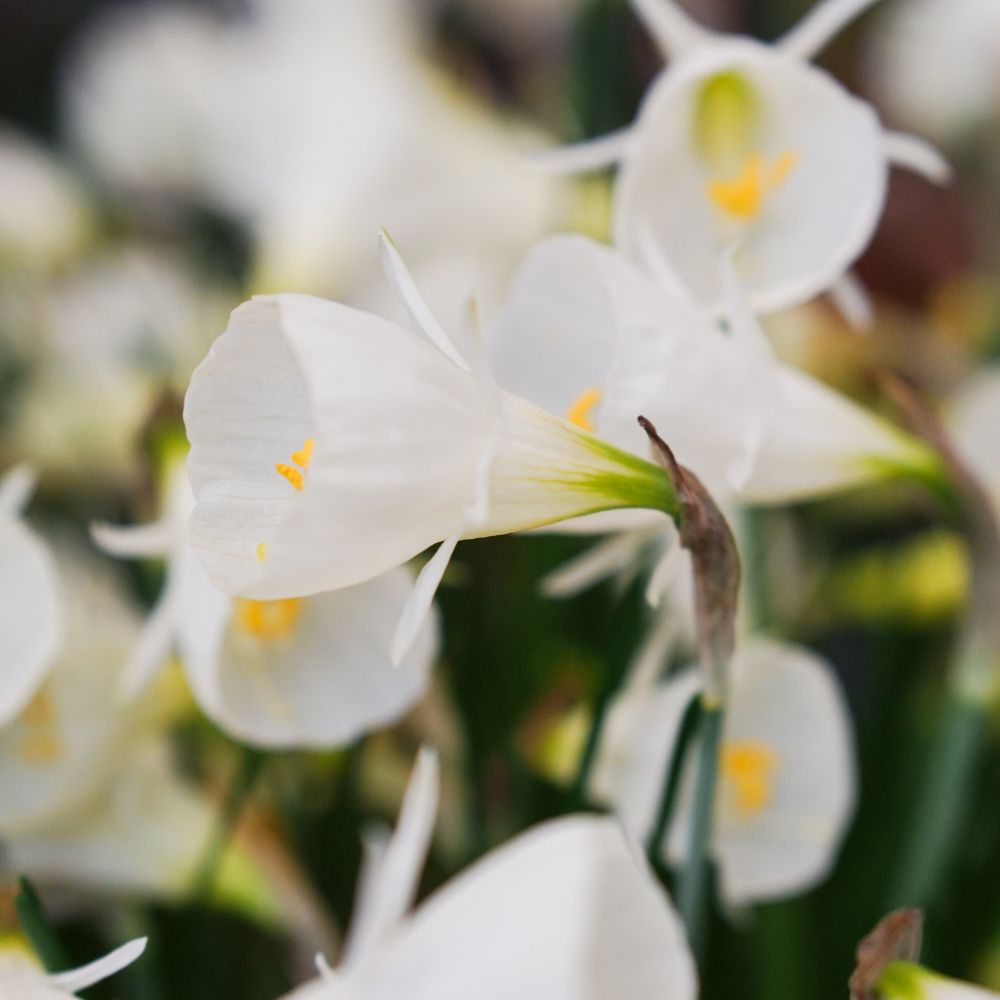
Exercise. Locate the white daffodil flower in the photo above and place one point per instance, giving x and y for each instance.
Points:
(746, 146)
(294, 671)
(787, 787)
(910, 981)
(30, 615)
(329, 445)
(565, 911)
(933, 63)
(22, 978)
(252, 115)
(43, 216)
(584, 333)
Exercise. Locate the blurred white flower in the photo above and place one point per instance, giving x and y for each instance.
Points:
(909, 981)
(563, 912)
(787, 787)
(260, 117)
(311, 671)
(745, 146)
(973, 419)
(100, 345)
(21, 976)
(44, 218)
(30, 613)
(329, 445)
(935, 64)
(586, 334)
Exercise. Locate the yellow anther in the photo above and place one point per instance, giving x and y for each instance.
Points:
(749, 770)
(261, 551)
(268, 620)
(301, 458)
(580, 410)
(42, 743)
(293, 475)
(743, 197)
(304, 456)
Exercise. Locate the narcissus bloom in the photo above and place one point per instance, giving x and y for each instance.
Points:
(743, 145)
(565, 911)
(586, 334)
(329, 445)
(30, 619)
(22, 977)
(293, 671)
(787, 786)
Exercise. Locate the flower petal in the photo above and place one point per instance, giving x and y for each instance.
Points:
(86, 975)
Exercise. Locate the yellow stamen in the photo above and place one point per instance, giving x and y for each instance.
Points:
(268, 620)
(293, 475)
(301, 458)
(304, 456)
(42, 743)
(261, 551)
(749, 769)
(743, 197)
(579, 411)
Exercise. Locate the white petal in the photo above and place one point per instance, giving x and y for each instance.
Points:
(138, 541)
(909, 981)
(391, 889)
(666, 571)
(154, 645)
(605, 558)
(324, 681)
(918, 155)
(637, 741)
(852, 301)
(973, 420)
(592, 154)
(810, 227)
(16, 488)
(103, 968)
(786, 700)
(675, 32)
(409, 297)
(563, 912)
(30, 616)
(824, 20)
(421, 598)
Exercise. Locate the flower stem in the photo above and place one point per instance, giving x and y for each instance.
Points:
(692, 891)
(672, 780)
(37, 928)
(944, 802)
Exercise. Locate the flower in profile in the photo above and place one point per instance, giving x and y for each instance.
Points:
(30, 616)
(787, 770)
(22, 977)
(295, 671)
(329, 445)
(746, 146)
(565, 911)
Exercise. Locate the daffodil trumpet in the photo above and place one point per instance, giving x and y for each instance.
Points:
(329, 445)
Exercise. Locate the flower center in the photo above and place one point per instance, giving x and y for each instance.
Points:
(742, 197)
(748, 769)
(267, 620)
(300, 458)
(581, 408)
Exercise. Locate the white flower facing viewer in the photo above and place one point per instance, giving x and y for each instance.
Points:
(787, 786)
(746, 145)
(562, 912)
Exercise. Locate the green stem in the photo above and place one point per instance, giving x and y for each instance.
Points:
(588, 757)
(240, 789)
(692, 889)
(672, 780)
(37, 928)
(944, 802)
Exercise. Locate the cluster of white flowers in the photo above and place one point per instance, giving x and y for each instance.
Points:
(333, 442)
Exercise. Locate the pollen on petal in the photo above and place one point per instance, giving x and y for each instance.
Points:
(261, 551)
(304, 456)
(579, 412)
(293, 475)
(748, 770)
(267, 620)
(42, 743)
(743, 196)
